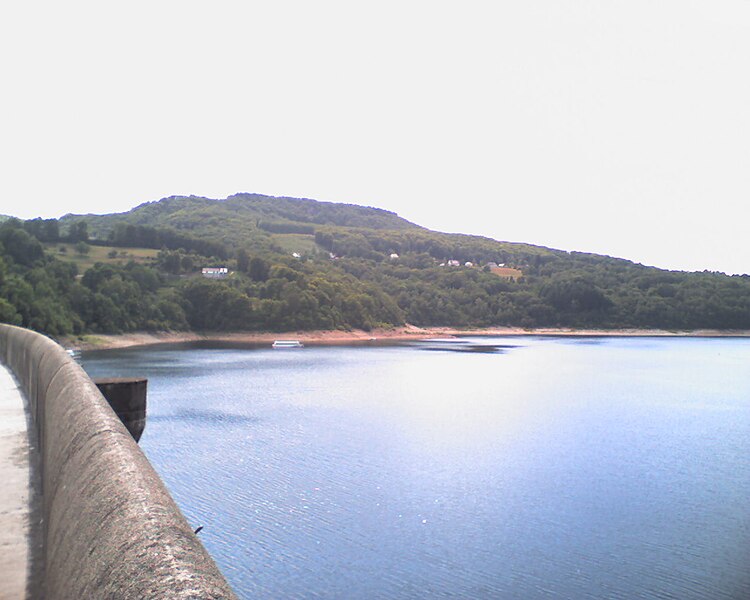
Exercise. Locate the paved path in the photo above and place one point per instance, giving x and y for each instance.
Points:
(15, 491)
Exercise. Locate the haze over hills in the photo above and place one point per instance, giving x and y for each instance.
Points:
(304, 264)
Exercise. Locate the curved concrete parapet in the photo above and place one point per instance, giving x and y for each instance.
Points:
(111, 529)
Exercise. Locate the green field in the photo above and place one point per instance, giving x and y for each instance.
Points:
(297, 242)
(100, 254)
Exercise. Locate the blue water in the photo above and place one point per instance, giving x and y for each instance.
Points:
(497, 468)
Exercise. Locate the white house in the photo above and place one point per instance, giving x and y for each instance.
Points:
(215, 272)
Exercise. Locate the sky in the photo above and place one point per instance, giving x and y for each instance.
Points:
(614, 127)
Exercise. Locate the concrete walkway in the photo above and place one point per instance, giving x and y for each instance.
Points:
(16, 493)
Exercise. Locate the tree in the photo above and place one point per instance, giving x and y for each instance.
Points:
(170, 261)
(258, 269)
(243, 260)
(45, 230)
(8, 313)
(214, 305)
(574, 293)
(79, 232)
(187, 264)
(23, 248)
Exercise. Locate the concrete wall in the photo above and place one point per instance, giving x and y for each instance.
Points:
(111, 529)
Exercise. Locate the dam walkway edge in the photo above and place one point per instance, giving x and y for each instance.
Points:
(19, 519)
(109, 527)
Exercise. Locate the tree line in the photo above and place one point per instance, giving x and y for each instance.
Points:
(47, 294)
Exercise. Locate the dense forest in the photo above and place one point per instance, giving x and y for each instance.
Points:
(302, 264)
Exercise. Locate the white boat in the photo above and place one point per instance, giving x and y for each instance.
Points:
(287, 344)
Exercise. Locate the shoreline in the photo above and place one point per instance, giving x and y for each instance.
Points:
(336, 337)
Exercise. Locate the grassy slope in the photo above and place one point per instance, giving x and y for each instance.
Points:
(297, 242)
(100, 254)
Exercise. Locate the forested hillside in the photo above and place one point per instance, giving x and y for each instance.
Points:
(240, 219)
(302, 264)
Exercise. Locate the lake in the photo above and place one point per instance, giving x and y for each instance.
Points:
(518, 467)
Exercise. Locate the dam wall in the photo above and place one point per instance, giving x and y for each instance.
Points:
(110, 529)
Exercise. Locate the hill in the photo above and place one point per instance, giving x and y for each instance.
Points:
(265, 224)
(302, 264)
(242, 219)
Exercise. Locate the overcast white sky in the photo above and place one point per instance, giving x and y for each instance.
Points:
(616, 127)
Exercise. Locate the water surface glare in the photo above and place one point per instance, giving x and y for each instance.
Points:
(525, 468)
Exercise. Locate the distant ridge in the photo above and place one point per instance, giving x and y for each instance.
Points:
(242, 214)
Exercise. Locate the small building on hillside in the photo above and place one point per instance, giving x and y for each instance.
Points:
(215, 272)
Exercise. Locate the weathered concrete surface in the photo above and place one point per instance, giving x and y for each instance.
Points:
(15, 492)
(111, 530)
